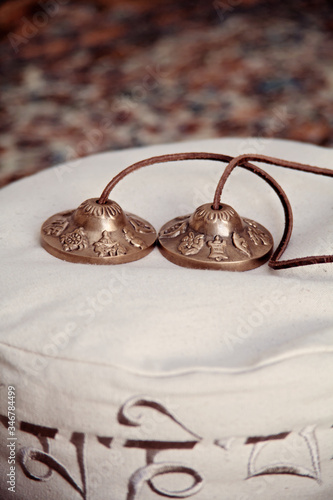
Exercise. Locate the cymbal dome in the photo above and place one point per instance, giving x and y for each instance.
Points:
(222, 222)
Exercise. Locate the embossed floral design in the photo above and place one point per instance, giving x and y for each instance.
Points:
(241, 244)
(110, 209)
(106, 247)
(191, 244)
(55, 228)
(217, 249)
(208, 214)
(76, 240)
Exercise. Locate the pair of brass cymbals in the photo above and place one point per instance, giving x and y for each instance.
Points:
(213, 237)
(102, 233)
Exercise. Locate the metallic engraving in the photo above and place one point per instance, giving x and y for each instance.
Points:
(55, 228)
(241, 244)
(174, 230)
(256, 235)
(107, 247)
(224, 214)
(133, 240)
(214, 239)
(217, 249)
(97, 234)
(76, 240)
(191, 244)
(111, 209)
(139, 226)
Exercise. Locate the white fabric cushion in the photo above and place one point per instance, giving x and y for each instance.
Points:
(234, 370)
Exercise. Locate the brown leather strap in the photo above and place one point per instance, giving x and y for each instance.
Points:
(274, 261)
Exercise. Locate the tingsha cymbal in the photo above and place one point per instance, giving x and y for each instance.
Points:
(215, 239)
(98, 234)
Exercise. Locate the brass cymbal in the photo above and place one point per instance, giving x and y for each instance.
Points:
(215, 239)
(97, 234)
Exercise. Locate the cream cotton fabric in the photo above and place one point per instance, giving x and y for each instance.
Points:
(230, 372)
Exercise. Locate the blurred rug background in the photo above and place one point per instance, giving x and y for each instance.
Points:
(78, 77)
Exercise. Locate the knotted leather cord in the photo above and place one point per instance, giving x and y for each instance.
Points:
(273, 262)
(224, 158)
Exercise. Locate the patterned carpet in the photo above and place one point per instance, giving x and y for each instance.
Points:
(81, 77)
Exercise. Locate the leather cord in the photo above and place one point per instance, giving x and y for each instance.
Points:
(274, 261)
(241, 161)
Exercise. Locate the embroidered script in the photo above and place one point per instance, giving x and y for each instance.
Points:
(263, 457)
